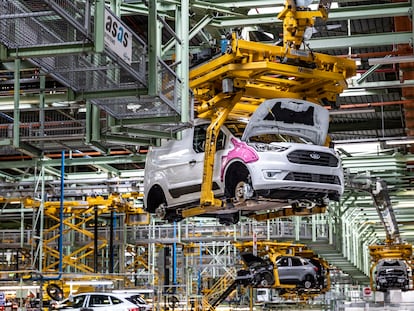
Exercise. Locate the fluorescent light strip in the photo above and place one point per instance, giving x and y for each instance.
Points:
(406, 141)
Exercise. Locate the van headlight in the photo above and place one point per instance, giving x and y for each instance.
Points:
(261, 147)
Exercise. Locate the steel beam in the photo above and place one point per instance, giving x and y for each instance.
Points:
(75, 161)
(338, 14)
(371, 40)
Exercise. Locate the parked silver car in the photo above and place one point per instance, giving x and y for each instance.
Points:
(278, 157)
(297, 270)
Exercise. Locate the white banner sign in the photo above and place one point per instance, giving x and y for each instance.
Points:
(117, 37)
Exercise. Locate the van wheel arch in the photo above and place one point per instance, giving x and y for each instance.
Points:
(155, 198)
(236, 173)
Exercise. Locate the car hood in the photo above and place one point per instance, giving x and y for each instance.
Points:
(289, 116)
(391, 265)
(250, 259)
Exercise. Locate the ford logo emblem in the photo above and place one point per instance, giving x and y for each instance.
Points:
(315, 156)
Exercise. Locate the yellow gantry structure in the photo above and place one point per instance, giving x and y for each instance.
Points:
(234, 84)
(72, 221)
(77, 215)
(262, 71)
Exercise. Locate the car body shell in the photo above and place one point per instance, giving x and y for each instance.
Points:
(290, 269)
(296, 270)
(392, 274)
(301, 169)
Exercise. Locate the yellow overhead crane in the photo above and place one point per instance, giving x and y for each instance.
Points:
(235, 83)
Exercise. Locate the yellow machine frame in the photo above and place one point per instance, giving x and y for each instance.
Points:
(77, 214)
(234, 84)
(273, 250)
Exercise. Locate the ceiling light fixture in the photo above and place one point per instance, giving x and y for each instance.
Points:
(350, 111)
(9, 107)
(359, 92)
(359, 148)
(403, 141)
(19, 287)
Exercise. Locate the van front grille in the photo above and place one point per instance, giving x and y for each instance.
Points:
(309, 157)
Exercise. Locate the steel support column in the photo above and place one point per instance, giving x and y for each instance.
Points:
(154, 44)
(16, 112)
(183, 53)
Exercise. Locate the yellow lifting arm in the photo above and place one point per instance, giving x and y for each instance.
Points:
(224, 104)
(297, 20)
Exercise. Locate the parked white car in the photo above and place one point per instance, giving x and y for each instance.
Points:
(278, 156)
(104, 302)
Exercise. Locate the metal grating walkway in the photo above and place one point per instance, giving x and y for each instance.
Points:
(62, 26)
(61, 33)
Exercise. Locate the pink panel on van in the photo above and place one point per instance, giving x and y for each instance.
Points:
(241, 151)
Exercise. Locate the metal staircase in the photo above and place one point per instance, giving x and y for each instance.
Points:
(220, 290)
(337, 259)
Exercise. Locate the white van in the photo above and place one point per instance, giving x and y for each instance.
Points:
(278, 156)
